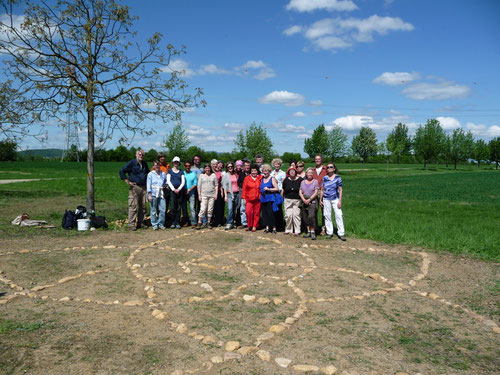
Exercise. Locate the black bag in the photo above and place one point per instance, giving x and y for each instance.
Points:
(98, 222)
(69, 220)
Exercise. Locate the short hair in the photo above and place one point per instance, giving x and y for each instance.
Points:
(256, 167)
(188, 162)
(156, 162)
(229, 162)
(196, 156)
(214, 161)
(321, 156)
(259, 156)
(266, 167)
(300, 162)
(160, 155)
(139, 150)
(310, 169)
(246, 161)
(335, 170)
(209, 167)
(277, 160)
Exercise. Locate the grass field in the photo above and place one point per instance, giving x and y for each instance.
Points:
(439, 208)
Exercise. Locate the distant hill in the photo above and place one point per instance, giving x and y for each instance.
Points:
(44, 153)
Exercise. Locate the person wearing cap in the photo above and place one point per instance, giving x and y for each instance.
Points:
(135, 173)
(176, 182)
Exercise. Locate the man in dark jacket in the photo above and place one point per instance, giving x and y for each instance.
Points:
(135, 173)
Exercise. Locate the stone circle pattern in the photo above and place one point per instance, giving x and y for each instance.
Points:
(232, 350)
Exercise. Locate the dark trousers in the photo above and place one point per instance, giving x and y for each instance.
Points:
(268, 218)
(278, 217)
(219, 206)
(176, 201)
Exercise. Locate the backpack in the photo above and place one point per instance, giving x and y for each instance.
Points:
(69, 220)
(98, 222)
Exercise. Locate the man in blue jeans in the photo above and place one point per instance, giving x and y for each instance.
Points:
(191, 185)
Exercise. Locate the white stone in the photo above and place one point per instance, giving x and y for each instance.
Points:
(264, 355)
(283, 362)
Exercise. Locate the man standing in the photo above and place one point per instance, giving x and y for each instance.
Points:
(135, 174)
(318, 173)
(241, 177)
(259, 160)
(196, 168)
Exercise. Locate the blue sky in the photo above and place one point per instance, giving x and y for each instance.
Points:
(292, 65)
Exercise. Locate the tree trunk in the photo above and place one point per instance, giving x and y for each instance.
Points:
(90, 160)
(363, 163)
(397, 159)
(479, 164)
(425, 163)
(455, 164)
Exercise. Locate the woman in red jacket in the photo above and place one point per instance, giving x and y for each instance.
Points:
(251, 195)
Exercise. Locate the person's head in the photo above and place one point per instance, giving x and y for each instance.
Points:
(230, 167)
(300, 167)
(318, 159)
(259, 159)
(196, 160)
(254, 170)
(309, 174)
(277, 163)
(292, 164)
(176, 161)
(266, 170)
(213, 164)
(220, 166)
(139, 154)
(291, 172)
(156, 166)
(161, 158)
(331, 168)
(207, 169)
(187, 166)
(238, 166)
(246, 166)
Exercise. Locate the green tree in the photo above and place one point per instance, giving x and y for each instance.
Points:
(337, 140)
(151, 155)
(86, 52)
(460, 145)
(8, 150)
(428, 140)
(494, 146)
(177, 141)
(365, 143)
(481, 151)
(318, 143)
(398, 141)
(252, 142)
(287, 157)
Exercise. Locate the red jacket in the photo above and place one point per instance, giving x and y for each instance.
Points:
(319, 177)
(251, 188)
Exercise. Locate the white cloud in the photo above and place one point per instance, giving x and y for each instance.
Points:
(312, 5)
(299, 114)
(494, 131)
(352, 122)
(448, 123)
(194, 130)
(292, 30)
(287, 128)
(335, 33)
(481, 130)
(179, 66)
(316, 103)
(303, 136)
(252, 64)
(396, 78)
(283, 97)
(265, 71)
(212, 69)
(436, 91)
(234, 127)
(265, 74)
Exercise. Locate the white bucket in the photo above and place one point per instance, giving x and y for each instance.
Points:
(83, 224)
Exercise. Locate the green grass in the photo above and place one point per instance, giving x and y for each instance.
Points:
(438, 208)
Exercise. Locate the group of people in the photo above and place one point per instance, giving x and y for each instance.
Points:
(237, 195)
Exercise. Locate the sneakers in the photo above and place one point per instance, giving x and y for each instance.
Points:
(313, 236)
(342, 238)
(155, 228)
(209, 226)
(329, 236)
(198, 226)
(172, 226)
(229, 226)
(162, 227)
(307, 235)
(248, 229)
(178, 226)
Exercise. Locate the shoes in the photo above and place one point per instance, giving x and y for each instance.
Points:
(198, 226)
(342, 238)
(241, 227)
(186, 225)
(178, 226)
(286, 233)
(162, 227)
(193, 226)
(307, 235)
(329, 236)
(155, 228)
(229, 226)
(254, 229)
(266, 230)
(248, 229)
(209, 226)
(274, 231)
(295, 234)
(205, 225)
(313, 236)
(172, 226)
(132, 229)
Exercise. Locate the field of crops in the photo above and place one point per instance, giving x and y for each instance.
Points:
(439, 208)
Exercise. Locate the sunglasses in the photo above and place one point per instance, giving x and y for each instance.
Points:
(300, 166)
(229, 166)
(329, 167)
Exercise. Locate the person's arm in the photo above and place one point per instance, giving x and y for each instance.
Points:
(215, 184)
(321, 193)
(198, 187)
(301, 194)
(126, 171)
(183, 182)
(339, 205)
(169, 183)
(315, 194)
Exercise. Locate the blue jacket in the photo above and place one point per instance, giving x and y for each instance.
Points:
(136, 172)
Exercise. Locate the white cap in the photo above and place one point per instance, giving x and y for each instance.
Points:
(176, 158)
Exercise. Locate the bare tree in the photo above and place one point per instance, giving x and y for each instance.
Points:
(87, 51)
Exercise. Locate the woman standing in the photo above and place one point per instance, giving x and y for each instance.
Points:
(300, 169)
(207, 191)
(269, 199)
(308, 192)
(331, 197)
(231, 193)
(251, 195)
(191, 182)
(279, 175)
(219, 205)
(176, 182)
(154, 186)
(291, 187)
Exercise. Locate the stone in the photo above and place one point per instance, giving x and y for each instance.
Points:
(263, 300)
(306, 368)
(181, 328)
(244, 350)
(41, 287)
(433, 296)
(489, 323)
(156, 312)
(248, 298)
(264, 355)
(207, 287)
(66, 279)
(232, 346)
(277, 328)
(133, 303)
(290, 320)
(208, 340)
(177, 372)
(195, 299)
(283, 362)
(265, 336)
(199, 337)
(277, 301)
(161, 316)
(109, 247)
(229, 356)
(329, 370)
(172, 281)
(216, 359)
(151, 294)
(64, 299)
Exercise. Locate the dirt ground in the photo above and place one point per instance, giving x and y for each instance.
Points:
(216, 302)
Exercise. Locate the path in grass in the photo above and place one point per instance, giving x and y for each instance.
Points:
(231, 302)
